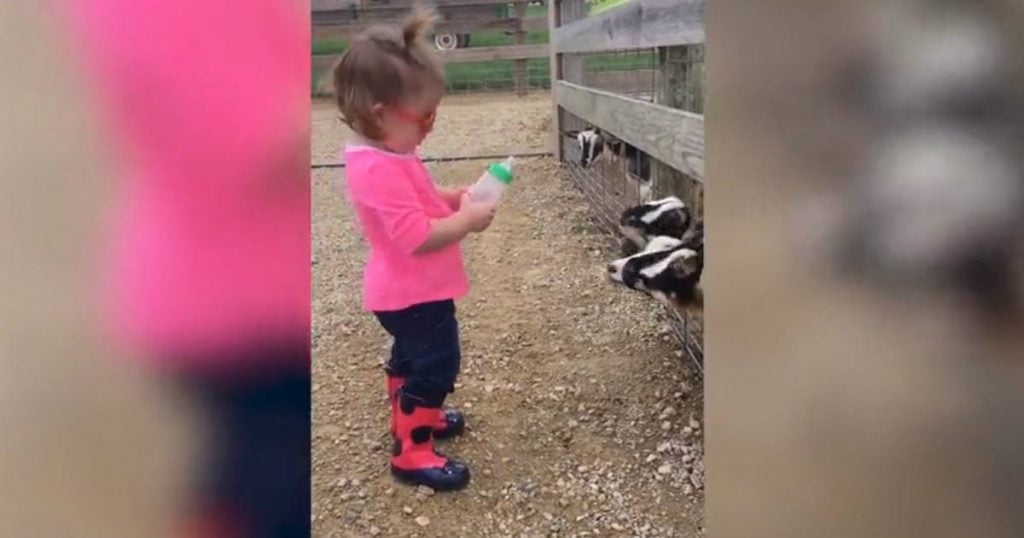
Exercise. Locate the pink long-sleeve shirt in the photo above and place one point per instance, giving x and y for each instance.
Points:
(395, 201)
(207, 110)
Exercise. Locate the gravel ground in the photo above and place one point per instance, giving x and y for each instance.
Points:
(582, 418)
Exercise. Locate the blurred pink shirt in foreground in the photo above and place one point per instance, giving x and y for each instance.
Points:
(207, 108)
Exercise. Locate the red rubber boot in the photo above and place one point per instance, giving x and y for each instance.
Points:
(414, 460)
(448, 424)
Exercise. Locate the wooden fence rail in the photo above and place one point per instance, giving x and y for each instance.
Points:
(347, 29)
(473, 54)
(637, 24)
(673, 136)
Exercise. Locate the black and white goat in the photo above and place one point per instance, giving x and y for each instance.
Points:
(668, 269)
(593, 144)
(665, 217)
(663, 252)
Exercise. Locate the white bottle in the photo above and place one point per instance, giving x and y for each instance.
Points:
(490, 185)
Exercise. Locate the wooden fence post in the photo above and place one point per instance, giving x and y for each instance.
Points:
(554, 21)
(673, 91)
(522, 78)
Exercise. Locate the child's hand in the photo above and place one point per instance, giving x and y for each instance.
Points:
(452, 197)
(478, 215)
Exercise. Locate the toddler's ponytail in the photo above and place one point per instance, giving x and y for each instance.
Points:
(416, 26)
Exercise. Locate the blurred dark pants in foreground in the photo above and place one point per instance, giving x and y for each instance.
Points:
(255, 477)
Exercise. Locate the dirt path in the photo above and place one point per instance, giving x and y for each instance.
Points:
(582, 419)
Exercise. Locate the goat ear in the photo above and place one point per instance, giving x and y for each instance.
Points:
(686, 265)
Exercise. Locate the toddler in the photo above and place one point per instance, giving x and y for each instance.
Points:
(388, 86)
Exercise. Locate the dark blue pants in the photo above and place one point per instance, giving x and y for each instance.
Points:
(258, 462)
(426, 349)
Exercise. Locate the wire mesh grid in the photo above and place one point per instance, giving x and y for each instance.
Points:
(631, 73)
(496, 76)
(610, 188)
(683, 73)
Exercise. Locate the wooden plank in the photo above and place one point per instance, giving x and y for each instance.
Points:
(472, 54)
(573, 65)
(622, 82)
(554, 20)
(327, 5)
(393, 14)
(366, 5)
(451, 26)
(522, 82)
(671, 92)
(482, 54)
(638, 24)
(358, 17)
(673, 136)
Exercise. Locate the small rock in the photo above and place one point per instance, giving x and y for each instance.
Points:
(668, 412)
(422, 521)
(666, 426)
(389, 492)
(582, 469)
(424, 490)
(342, 483)
(665, 469)
(374, 531)
(355, 482)
(651, 458)
(407, 509)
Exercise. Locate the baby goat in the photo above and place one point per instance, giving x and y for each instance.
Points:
(665, 217)
(592, 143)
(667, 269)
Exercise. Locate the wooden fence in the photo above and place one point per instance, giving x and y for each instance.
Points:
(658, 125)
(341, 19)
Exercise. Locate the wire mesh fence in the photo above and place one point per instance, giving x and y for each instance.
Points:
(496, 75)
(630, 73)
(672, 77)
(610, 188)
(466, 77)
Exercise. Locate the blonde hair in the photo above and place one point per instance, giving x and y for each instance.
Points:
(385, 65)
